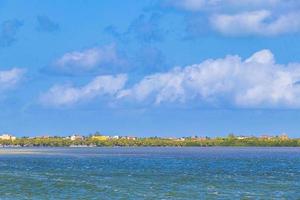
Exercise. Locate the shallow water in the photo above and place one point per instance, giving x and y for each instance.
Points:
(150, 173)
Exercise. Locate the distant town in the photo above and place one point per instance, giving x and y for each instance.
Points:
(98, 140)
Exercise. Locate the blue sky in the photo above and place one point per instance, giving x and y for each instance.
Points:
(146, 68)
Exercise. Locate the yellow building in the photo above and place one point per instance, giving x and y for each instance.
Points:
(100, 137)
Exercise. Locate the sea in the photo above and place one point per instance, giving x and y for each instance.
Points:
(150, 173)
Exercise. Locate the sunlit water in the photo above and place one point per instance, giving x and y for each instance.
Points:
(150, 173)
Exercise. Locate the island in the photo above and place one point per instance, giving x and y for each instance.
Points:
(98, 140)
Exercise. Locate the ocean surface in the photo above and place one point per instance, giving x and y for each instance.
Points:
(150, 173)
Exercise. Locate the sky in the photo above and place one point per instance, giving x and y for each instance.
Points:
(150, 68)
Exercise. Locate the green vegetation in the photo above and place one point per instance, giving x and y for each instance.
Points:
(231, 140)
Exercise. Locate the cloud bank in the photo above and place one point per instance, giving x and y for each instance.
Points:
(254, 82)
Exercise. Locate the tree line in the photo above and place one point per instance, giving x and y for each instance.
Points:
(154, 141)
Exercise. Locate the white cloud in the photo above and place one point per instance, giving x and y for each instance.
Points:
(199, 5)
(65, 95)
(246, 17)
(254, 82)
(257, 81)
(9, 78)
(88, 59)
(256, 23)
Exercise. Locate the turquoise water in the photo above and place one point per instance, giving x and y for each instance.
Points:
(150, 173)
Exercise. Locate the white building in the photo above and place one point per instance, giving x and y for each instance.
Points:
(7, 137)
(76, 137)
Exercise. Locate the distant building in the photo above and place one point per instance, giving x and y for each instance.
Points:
(100, 137)
(76, 137)
(241, 137)
(284, 136)
(7, 137)
(181, 139)
(130, 138)
(115, 137)
(266, 137)
(43, 137)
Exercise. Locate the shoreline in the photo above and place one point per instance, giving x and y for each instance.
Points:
(124, 147)
(128, 150)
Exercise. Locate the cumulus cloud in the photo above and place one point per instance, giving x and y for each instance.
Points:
(254, 82)
(256, 23)
(97, 58)
(10, 78)
(66, 95)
